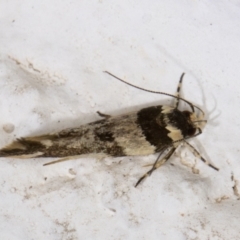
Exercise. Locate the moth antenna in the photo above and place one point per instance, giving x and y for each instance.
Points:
(178, 89)
(156, 92)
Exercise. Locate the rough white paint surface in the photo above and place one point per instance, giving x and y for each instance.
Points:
(52, 58)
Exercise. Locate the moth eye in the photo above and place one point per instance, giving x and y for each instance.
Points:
(187, 114)
(191, 131)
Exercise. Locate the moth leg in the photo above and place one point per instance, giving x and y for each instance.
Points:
(157, 164)
(161, 150)
(62, 160)
(103, 115)
(198, 155)
(178, 90)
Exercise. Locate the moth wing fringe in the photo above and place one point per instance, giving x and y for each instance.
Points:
(20, 147)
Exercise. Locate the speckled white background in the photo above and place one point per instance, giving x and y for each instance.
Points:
(52, 58)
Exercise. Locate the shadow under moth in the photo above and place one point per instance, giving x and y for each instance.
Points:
(156, 129)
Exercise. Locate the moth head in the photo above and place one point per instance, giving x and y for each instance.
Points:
(196, 120)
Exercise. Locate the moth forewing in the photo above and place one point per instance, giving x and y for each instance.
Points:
(150, 130)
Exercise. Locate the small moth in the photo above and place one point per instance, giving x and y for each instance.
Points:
(156, 129)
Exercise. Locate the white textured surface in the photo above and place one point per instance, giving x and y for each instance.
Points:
(51, 62)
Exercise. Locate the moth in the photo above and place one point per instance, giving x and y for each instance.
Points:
(155, 129)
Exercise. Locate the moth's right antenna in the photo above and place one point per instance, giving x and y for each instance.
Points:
(163, 93)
